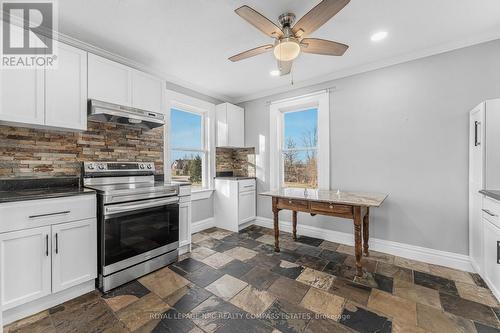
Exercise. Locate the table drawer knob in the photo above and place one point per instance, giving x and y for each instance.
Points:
(289, 201)
(331, 206)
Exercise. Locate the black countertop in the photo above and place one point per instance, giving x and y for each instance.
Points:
(12, 190)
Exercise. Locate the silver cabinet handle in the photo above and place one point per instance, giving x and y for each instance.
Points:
(49, 214)
(248, 186)
(47, 245)
(489, 213)
(498, 252)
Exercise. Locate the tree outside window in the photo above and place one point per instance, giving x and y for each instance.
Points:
(300, 147)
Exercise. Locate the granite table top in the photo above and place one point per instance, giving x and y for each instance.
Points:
(337, 197)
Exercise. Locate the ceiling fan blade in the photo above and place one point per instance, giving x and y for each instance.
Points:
(318, 16)
(285, 67)
(259, 21)
(252, 52)
(322, 46)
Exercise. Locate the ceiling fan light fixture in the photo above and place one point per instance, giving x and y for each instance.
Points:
(287, 49)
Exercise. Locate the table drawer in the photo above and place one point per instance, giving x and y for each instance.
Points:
(292, 204)
(325, 207)
(37, 213)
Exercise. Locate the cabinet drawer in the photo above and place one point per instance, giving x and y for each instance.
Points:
(292, 204)
(325, 207)
(246, 185)
(491, 211)
(36, 213)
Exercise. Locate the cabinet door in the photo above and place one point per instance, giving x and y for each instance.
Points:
(74, 253)
(222, 130)
(492, 256)
(236, 126)
(476, 229)
(22, 96)
(147, 92)
(24, 266)
(246, 207)
(109, 81)
(184, 223)
(66, 90)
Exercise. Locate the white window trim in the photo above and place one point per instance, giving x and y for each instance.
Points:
(320, 100)
(207, 111)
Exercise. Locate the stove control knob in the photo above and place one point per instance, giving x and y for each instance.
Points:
(100, 167)
(90, 166)
(149, 166)
(141, 166)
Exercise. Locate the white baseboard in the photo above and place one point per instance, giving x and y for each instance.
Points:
(44, 303)
(431, 256)
(202, 225)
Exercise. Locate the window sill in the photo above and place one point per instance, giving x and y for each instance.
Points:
(201, 194)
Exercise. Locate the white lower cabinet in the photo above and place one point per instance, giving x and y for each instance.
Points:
(184, 223)
(48, 253)
(74, 253)
(25, 264)
(235, 203)
(492, 256)
(246, 206)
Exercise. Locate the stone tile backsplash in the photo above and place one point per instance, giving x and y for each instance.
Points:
(241, 161)
(26, 152)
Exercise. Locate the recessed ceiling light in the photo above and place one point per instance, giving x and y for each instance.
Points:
(274, 72)
(378, 36)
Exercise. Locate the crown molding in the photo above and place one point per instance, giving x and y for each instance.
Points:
(435, 50)
(139, 66)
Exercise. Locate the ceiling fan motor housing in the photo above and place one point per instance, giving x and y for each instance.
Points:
(286, 20)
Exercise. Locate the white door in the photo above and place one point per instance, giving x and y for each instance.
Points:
(236, 126)
(492, 255)
(476, 167)
(184, 223)
(74, 253)
(22, 96)
(246, 207)
(66, 90)
(147, 92)
(109, 81)
(24, 266)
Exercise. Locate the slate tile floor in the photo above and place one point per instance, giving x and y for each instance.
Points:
(235, 282)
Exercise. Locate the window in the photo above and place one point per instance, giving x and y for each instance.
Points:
(300, 147)
(187, 154)
(299, 142)
(189, 142)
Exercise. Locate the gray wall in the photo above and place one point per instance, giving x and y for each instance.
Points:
(401, 130)
(201, 209)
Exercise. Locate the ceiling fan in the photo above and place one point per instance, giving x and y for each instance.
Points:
(290, 39)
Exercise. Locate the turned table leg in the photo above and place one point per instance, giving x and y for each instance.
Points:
(276, 226)
(294, 222)
(357, 240)
(366, 231)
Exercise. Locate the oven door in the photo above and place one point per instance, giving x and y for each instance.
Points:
(134, 232)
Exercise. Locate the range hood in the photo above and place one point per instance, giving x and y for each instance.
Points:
(113, 113)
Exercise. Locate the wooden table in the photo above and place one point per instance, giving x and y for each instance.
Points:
(349, 205)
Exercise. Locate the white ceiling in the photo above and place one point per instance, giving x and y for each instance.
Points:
(189, 41)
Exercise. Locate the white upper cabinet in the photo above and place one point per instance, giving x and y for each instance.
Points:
(22, 96)
(115, 83)
(109, 81)
(230, 125)
(47, 97)
(66, 90)
(147, 92)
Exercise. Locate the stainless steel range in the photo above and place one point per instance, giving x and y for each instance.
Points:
(138, 220)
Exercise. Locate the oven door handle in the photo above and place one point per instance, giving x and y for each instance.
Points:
(122, 208)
